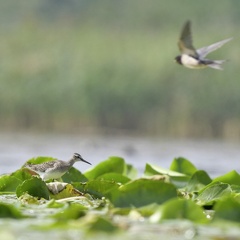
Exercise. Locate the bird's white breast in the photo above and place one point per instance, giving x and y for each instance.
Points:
(191, 62)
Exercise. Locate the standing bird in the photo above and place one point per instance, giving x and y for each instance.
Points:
(56, 168)
(195, 59)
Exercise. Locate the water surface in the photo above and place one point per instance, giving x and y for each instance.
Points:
(216, 157)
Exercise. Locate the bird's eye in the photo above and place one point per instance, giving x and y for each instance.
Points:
(77, 155)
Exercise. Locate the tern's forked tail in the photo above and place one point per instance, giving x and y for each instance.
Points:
(217, 64)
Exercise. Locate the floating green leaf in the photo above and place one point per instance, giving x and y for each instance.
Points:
(130, 171)
(113, 164)
(8, 184)
(179, 209)
(178, 179)
(213, 192)
(34, 187)
(227, 209)
(22, 174)
(116, 177)
(54, 204)
(9, 211)
(184, 166)
(74, 175)
(98, 188)
(231, 178)
(142, 192)
(151, 169)
(73, 211)
(148, 210)
(100, 224)
(236, 189)
(198, 180)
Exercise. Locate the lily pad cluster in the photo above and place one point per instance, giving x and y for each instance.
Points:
(111, 197)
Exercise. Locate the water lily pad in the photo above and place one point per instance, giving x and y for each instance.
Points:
(179, 209)
(227, 209)
(130, 171)
(116, 177)
(34, 187)
(101, 224)
(73, 175)
(184, 166)
(213, 192)
(142, 192)
(151, 169)
(231, 178)
(198, 180)
(113, 164)
(8, 184)
(9, 211)
(98, 188)
(178, 179)
(22, 174)
(73, 211)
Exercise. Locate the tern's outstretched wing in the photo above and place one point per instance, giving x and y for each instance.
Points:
(185, 41)
(204, 51)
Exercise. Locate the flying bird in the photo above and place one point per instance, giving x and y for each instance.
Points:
(195, 59)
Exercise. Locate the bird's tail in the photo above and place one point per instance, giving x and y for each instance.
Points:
(217, 64)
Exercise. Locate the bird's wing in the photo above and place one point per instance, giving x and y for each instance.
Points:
(42, 166)
(185, 42)
(204, 51)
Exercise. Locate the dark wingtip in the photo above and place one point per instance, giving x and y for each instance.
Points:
(187, 25)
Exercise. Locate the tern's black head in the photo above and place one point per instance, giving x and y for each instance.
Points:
(178, 59)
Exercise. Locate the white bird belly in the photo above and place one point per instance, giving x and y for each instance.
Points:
(52, 175)
(191, 62)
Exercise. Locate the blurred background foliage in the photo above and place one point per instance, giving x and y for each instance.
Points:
(103, 66)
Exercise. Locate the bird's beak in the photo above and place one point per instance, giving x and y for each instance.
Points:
(85, 161)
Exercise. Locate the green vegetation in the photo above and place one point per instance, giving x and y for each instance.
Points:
(72, 65)
(113, 202)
